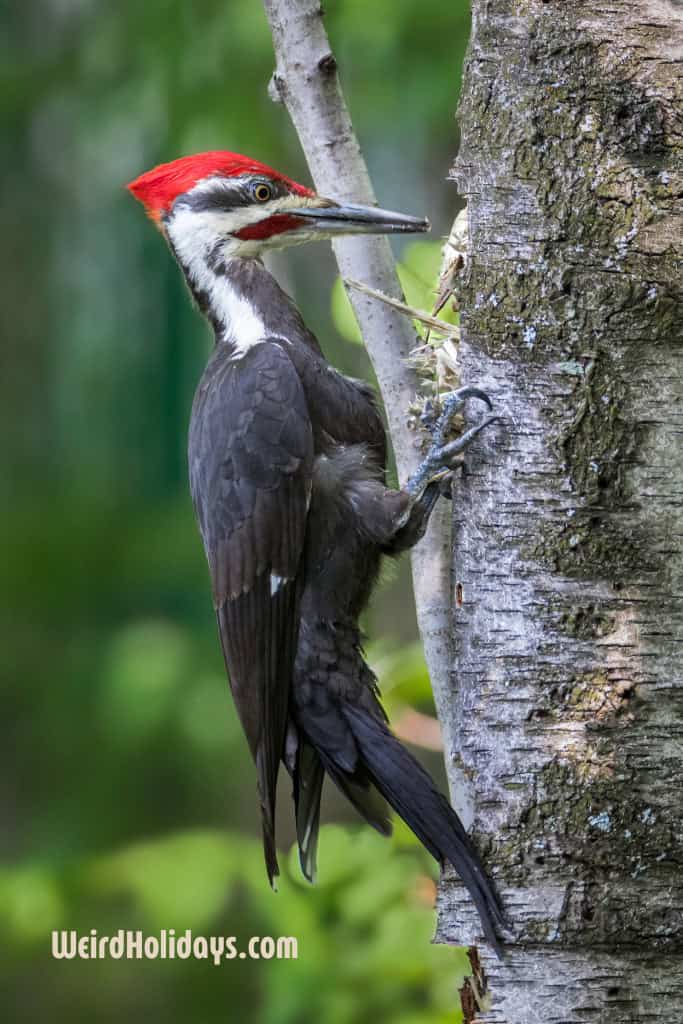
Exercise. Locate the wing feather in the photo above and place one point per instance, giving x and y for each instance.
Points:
(251, 457)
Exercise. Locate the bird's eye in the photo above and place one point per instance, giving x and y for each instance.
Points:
(262, 192)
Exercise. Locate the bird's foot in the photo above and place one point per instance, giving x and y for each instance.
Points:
(445, 456)
(437, 417)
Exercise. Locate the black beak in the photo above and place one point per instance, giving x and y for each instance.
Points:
(332, 218)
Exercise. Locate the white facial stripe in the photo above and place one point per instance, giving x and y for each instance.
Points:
(194, 237)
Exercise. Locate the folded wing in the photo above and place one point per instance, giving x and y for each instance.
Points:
(251, 457)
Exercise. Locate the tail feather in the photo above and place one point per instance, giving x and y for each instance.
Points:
(267, 801)
(308, 783)
(359, 791)
(308, 776)
(412, 794)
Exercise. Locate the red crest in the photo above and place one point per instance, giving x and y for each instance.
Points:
(158, 189)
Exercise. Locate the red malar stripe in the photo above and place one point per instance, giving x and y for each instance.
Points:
(274, 225)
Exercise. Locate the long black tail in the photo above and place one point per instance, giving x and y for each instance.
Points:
(409, 789)
(308, 774)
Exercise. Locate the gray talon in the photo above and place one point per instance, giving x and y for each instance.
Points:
(442, 455)
(455, 447)
(450, 405)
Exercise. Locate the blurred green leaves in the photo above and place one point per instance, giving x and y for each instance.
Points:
(178, 882)
(404, 675)
(31, 905)
(363, 930)
(143, 672)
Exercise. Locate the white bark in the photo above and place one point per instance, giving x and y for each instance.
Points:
(568, 540)
(306, 81)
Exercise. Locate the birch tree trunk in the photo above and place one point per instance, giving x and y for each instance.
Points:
(568, 529)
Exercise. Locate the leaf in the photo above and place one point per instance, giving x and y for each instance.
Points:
(144, 667)
(342, 314)
(31, 904)
(177, 882)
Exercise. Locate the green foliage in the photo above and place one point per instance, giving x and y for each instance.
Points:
(31, 905)
(363, 930)
(142, 675)
(124, 760)
(404, 675)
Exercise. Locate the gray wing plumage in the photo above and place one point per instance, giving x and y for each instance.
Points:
(251, 458)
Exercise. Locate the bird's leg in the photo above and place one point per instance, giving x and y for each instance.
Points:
(433, 476)
(415, 526)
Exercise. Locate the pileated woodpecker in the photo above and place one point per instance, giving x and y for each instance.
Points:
(287, 473)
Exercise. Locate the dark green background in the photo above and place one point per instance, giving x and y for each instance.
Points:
(127, 798)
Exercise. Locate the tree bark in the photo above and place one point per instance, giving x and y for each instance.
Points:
(568, 530)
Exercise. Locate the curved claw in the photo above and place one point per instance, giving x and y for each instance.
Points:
(436, 416)
(450, 406)
(462, 394)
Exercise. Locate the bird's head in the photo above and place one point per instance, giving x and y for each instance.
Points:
(222, 204)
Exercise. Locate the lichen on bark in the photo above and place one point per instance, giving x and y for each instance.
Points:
(568, 523)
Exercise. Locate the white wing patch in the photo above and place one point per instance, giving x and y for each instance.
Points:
(276, 582)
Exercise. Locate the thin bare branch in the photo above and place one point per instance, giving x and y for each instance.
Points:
(435, 324)
(306, 81)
